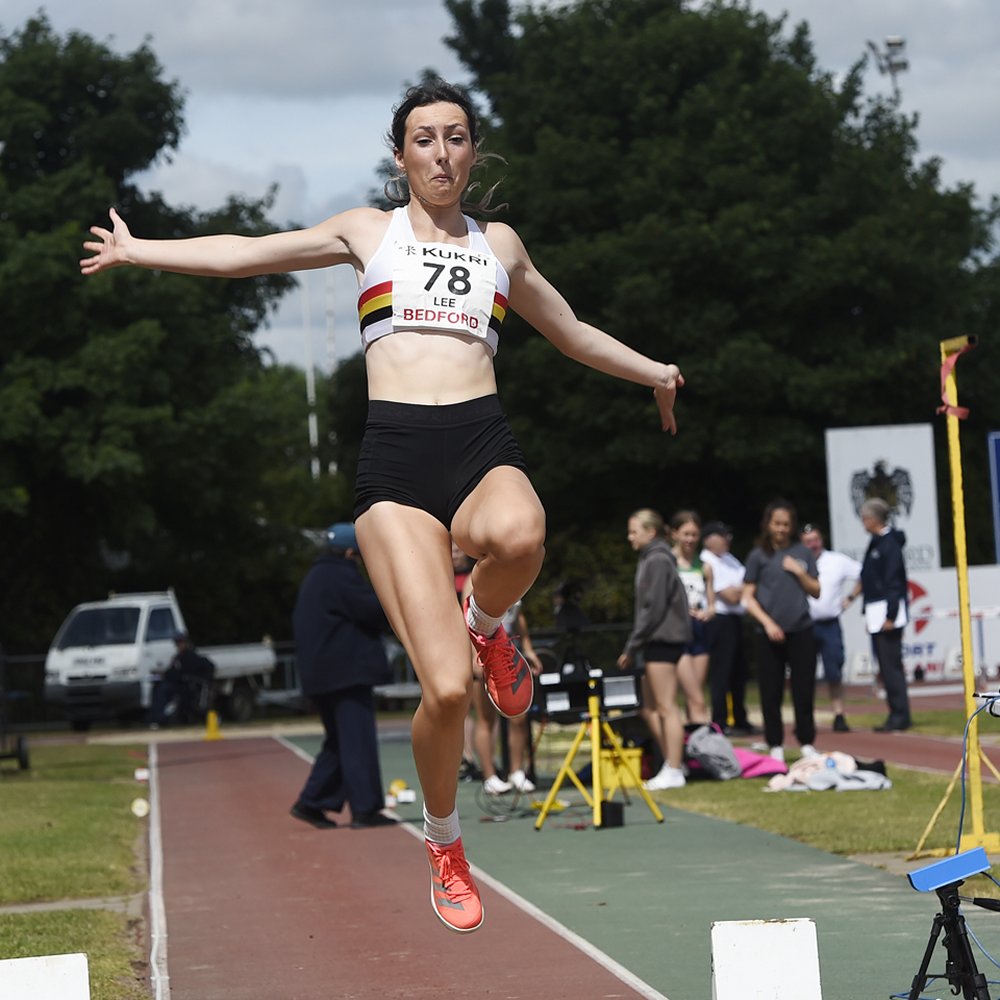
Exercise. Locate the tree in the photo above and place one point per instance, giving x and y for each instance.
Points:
(697, 186)
(139, 436)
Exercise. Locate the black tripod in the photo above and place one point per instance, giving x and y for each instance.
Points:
(960, 968)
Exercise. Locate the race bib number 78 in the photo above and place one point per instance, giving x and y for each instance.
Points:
(440, 286)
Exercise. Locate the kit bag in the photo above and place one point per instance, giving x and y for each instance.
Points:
(708, 748)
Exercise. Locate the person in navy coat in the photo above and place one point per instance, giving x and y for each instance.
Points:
(337, 624)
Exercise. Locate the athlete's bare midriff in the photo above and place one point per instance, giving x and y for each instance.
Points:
(429, 368)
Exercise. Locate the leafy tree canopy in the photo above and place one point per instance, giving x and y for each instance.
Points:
(143, 441)
(696, 185)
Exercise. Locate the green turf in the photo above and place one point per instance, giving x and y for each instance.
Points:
(109, 940)
(67, 832)
(67, 827)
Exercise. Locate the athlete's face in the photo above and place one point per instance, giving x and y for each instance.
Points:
(779, 527)
(437, 154)
(687, 537)
(639, 534)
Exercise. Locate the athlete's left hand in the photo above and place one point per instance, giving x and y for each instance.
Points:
(665, 392)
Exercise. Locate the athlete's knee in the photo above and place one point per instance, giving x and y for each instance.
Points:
(446, 697)
(518, 539)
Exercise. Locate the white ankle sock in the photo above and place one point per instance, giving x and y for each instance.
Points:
(479, 621)
(441, 831)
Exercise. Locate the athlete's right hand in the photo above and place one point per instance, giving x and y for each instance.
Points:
(665, 393)
(110, 247)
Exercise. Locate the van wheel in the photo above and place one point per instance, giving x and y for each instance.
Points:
(240, 703)
(80, 725)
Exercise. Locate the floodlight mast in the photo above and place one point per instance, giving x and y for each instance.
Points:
(892, 60)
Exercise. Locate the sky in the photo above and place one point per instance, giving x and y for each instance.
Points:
(299, 94)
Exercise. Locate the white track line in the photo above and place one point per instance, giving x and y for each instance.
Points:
(159, 976)
(580, 943)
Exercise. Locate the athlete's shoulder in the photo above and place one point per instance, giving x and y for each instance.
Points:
(505, 244)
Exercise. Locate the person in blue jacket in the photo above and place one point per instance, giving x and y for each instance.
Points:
(884, 588)
(337, 624)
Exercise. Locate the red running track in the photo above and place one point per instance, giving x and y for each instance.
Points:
(260, 906)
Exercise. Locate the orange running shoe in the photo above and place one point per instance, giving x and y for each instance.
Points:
(454, 895)
(506, 673)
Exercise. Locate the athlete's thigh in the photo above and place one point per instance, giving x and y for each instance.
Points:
(407, 555)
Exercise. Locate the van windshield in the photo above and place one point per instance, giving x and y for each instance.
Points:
(99, 627)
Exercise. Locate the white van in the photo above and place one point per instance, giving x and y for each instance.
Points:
(106, 656)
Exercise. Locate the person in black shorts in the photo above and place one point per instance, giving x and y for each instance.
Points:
(438, 459)
(660, 633)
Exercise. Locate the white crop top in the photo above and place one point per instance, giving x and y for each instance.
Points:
(409, 285)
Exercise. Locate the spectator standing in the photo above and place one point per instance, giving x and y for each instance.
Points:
(337, 623)
(781, 572)
(838, 576)
(727, 674)
(661, 630)
(884, 586)
(462, 565)
(696, 576)
(517, 731)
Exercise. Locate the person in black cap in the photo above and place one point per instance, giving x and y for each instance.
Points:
(337, 624)
(727, 671)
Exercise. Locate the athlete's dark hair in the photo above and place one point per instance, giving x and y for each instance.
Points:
(683, 517)
(764, 541)
(437, 91)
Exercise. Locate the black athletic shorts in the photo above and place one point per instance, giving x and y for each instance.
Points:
(656, 651)
(431, 457)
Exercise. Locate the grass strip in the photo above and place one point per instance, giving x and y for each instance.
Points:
(68, 832)
(109, 940)
(67, 827)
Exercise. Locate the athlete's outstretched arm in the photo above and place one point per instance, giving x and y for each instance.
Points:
(228, 256)
(534, 298)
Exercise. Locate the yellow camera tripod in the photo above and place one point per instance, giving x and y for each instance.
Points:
(596, 725)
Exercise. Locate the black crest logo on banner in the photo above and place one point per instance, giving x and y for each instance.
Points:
(895, 488)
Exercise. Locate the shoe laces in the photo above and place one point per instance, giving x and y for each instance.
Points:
(453, 870)
(498, 657)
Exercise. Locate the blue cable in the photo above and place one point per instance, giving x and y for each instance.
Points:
(965, 755)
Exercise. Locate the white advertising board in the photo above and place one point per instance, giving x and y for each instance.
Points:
(932, 641)
(895, 463)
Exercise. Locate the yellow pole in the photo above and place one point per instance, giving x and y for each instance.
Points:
(978, 837)
(594, 708)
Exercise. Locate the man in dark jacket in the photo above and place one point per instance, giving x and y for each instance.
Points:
(337, 624)
(183, 694)
(883, 584)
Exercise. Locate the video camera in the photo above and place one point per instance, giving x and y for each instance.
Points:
(563, 696)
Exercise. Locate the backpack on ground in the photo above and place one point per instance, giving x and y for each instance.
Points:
(709, 749)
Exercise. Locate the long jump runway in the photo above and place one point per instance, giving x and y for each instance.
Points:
(259, 906)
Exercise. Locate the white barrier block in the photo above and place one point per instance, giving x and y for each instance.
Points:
(765, 960)
(50, 977)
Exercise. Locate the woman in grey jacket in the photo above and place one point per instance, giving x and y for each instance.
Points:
(661, 630)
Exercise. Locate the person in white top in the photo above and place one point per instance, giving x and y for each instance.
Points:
(727, 671)
(838, 576)
(438, 459)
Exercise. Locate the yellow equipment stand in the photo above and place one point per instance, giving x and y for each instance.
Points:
(951, 350)
(595, 725)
